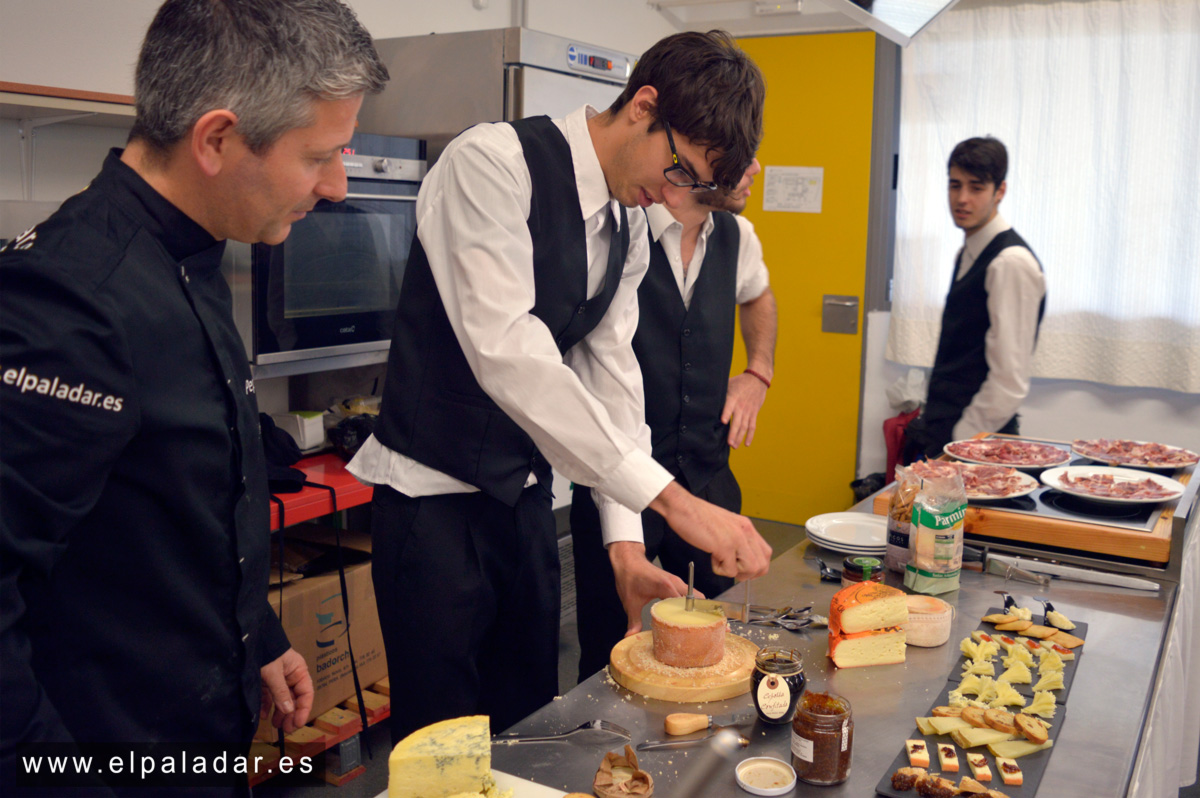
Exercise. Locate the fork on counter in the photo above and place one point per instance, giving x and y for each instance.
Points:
(599, 725)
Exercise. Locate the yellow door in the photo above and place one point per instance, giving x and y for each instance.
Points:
(818, 113)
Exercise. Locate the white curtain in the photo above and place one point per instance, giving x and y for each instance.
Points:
(1098, 102)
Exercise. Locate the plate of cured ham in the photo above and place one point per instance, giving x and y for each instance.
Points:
(982, 482)
(1113, 485)
(991, 482)
(1008, 452)
(1137, 454)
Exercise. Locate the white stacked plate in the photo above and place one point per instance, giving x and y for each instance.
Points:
(849, 533)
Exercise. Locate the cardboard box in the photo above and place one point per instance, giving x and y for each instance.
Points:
(315, 624)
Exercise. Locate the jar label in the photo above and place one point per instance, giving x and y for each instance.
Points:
(802, 747)
(774, 696)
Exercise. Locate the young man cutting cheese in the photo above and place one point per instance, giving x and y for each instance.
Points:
(706, 270)
(512, 353)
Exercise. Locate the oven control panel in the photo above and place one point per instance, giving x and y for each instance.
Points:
(376, 167)
(594, 61)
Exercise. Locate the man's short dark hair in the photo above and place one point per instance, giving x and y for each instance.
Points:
(265, 60)
(708, 90)
(983, 158)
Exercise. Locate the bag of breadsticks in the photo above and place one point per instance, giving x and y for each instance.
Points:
(899, 518)
(935, 539)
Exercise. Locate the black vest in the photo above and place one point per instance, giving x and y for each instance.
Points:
(961, 366)
(685, 355)
(434, 410)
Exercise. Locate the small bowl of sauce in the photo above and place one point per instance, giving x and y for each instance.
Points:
(765, 775)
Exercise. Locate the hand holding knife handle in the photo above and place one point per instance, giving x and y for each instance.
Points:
(690, 602)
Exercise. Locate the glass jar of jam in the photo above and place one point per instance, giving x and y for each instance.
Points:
(822, 739)
(860, 569)
(777, 683)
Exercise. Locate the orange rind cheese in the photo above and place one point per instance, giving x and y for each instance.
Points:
(874, 647)
(865, 606)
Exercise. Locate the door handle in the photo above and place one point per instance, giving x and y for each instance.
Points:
(839, 314)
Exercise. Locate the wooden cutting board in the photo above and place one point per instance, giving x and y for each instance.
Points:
(633, 666)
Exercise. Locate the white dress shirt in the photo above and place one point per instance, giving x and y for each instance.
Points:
(1015, 287)
(752, 277)
(584, 410)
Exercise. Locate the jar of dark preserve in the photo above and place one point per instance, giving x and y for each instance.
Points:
(777, 683)
(822, 739)
(859, 569)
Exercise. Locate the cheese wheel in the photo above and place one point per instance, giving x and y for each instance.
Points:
(928, 621)
(865, 606)
(686, 639)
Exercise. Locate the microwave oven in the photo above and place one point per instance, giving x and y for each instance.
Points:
(326, 297)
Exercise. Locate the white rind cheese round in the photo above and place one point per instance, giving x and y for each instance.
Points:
(928, 621)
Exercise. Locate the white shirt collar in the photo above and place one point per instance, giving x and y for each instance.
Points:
(589, 177)
(976, 243)
(659, 220)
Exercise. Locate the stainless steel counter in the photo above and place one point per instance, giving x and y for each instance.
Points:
(1093, 755)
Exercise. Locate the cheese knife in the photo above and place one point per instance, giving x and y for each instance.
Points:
(689, 603)
(1045, 570)
(659, 745)
(678, 723)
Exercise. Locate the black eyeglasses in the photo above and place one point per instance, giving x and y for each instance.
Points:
(678, 176)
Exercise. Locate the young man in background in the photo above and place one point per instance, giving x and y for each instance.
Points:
(993, 311)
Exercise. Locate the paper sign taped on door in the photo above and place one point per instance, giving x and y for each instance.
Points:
(793, 188)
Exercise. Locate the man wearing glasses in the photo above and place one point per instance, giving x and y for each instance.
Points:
(706, 271)
(513, 352)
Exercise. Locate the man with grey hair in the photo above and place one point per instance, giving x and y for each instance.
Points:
(134, 532)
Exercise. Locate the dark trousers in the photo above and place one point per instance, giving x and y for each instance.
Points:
(923, 439)
(469, 595)
(601, 617)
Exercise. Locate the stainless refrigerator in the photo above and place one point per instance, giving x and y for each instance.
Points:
(443, 83)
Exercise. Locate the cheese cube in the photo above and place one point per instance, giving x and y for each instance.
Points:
(918, 753)
(948, 758)
(1010, 771)
(979, 767)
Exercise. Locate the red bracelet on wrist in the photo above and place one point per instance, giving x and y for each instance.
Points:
(754, 373)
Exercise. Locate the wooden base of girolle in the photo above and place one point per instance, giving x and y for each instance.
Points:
(633, 666)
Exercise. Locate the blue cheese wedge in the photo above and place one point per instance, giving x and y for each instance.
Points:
(453, 756)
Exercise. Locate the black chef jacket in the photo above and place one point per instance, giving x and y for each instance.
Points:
(134, 534)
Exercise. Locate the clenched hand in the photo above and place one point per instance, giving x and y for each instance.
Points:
(288, 688)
